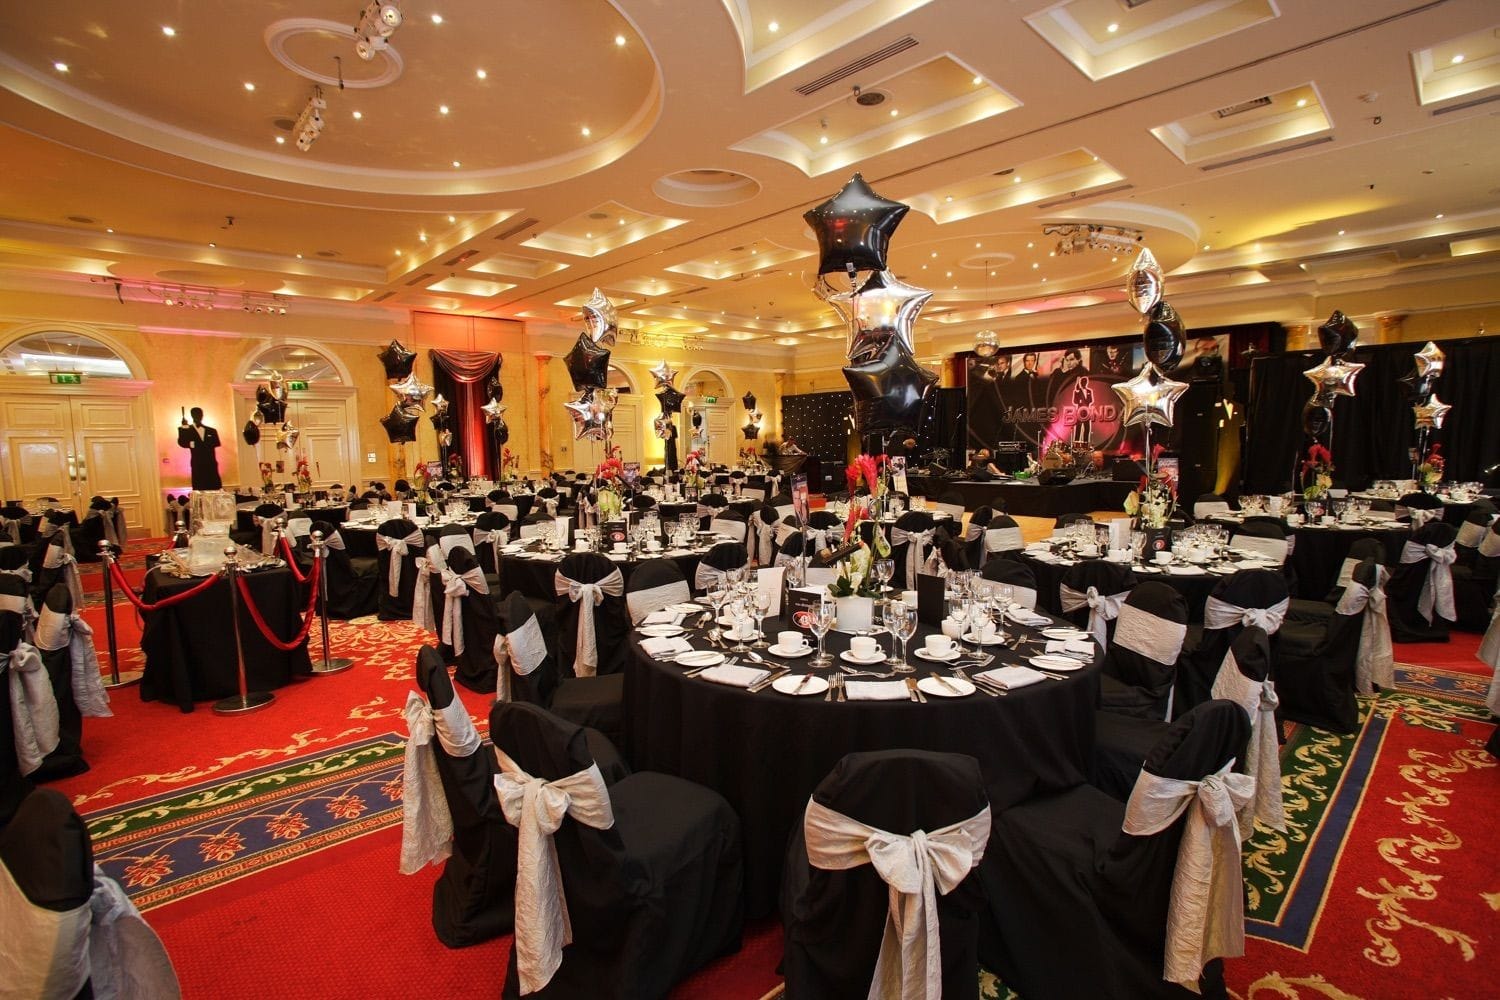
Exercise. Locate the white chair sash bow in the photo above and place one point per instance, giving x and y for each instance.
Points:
(641, 603)
(60, 558)
(495, 539)
(1263, 762)
(426, 823)
(127, 960)
(269, 527)
(398, 549)
(1489, 652)
(1149, 635)
(917, 557)
(455, 589)
(1376, 662)
(916, 868)
(53, 632)
(536, 808)
(1206, 917)
(587, 596)
(1103, 608)
(12, 527)
(1437, 588)
(1222, 614)
(1003, 539)
(521, 650)
(32, 705)
(422, 614)
(1421, 515)
(24, 572)
(334, 540)
(44, 953)
(762, 537)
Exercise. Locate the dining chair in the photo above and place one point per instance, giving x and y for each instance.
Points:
(655, 584)
(1139, 669)
(352, 580)
(397, 544)
(1015, 575)
(1247, 597)
(1421, 598)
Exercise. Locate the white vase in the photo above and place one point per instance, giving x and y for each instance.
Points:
(855, 614)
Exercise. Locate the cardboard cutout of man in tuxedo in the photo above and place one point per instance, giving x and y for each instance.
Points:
(202, 442)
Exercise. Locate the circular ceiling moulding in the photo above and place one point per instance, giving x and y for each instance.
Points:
(191, 276)
(706, 187)
(387, 64)
(987, 261)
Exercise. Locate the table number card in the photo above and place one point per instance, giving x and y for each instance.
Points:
(932, 598)
(560, 531)
(801, 602)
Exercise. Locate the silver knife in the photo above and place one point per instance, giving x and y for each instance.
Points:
(943, 681)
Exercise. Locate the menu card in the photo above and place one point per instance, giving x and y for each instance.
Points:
(799, 606)
(932, 598)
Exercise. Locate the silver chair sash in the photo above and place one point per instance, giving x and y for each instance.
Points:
(398, 548)
(1222, 614)
(587, 596)
(495, 539)
(1149, 635)
(1437, 588)
(1103, 608)
(1263, 760)
(918, 558)
(427, 564)
(12, 527)
(127, 961)
(641, 603)
(1003, 540)
(58, 558)
(269, 528)
(1489, 546)
(1376, 660)
(426, 823)
(917, 869)
(44, 953)
(55, 631)
(1471, 533)
(762, 538)
(521, 650)
(1489, 652)
(33, 707)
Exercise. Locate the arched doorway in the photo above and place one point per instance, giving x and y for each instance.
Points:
(321, 404)
(628, 414)
(73, 415)
(710, 398)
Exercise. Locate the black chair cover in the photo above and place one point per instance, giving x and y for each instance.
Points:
(593, 702)
(475, 666)
(912, 521)
(611, 623)
(650, 899)
(1405, 589)
(1316, 662)
(1106, 577)
(1134, 683)
(67, 760)
(13, 786)
(834, 920)
(653, 574)
(1007, 571)
(1475, 573)
(352, 581)
(1248, 588)
(46, 847)
(397, 608)
(1077, 909)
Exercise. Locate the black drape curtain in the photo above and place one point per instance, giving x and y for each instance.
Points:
(1372, 432)
(460, 376)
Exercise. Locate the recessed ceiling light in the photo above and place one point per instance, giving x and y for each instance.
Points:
(456, 164)
(1438, 216)
(1301, 102)
(1114, 260)
(442, 109)
(924, 267)
(822, 140)
(622, 222)
(1044, 279)
(1051, 253)
(1030, 246)
(948, 275)
(978, 81)
(588, 236)
(1205, 246)
(894, 112)
(299, 256)
(1016, 179)
(1341, 232)
(213, 246)
(107, 230)
(774, 26)
(437, 19)
(398, 253)
(169, 31)
(1035, 265)
(249, 85)
(281, 140)
(358, 115)
(61, 67)
(480, 73)
(934, 254)
(620, 41)
(586, 132)
(452, 219)
(1457, 59)
(1112, 28)
(422, 237)
(978, 246)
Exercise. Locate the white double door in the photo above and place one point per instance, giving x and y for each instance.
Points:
(73, 447)
(328, 437)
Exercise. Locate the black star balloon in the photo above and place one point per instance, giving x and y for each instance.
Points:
(588, 364)
(400, 425)
(251, 433)
(1335, 377)
(751, 429)
(501, 431)
(1165, 337)
(600, 320)
(1317, 419)
(1150, 397)
(670, 400)
(492, 387)
(1430, 360)
(889, 390)
(882, 308)
(1338, 335)
(748, 400)
(396, 360)
(439, 420)
(854, 228)
(1144, 282)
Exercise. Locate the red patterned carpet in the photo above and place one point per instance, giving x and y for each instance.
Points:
(263, 848)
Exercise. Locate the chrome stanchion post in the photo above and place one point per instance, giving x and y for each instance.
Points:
(117, 677)
(328, 664)
(246, 700)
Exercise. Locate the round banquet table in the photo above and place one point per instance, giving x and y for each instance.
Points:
(766, 752)
(1194, 586)
(1319, 552)
(189, 647)
(533, 575)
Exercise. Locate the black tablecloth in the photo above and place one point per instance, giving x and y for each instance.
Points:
(244, 515)
(1028, 499)
(1194, 589)
(189, 647)
(534, 577)
(766, 752)
(1319, 553)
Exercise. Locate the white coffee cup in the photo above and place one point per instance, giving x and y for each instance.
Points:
(1088, 551)
(791, 640)
(622, 546)
(864, 647)
(938, 645)
(953, 628)
(1164, 557)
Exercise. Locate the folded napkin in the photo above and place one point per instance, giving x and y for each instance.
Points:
(1023, 616)
(666, 616)
(1011, 678)
(662, 647)
(619, 556)
(876, 690)
(1039, 547)
(1067, 647)
(734, 676)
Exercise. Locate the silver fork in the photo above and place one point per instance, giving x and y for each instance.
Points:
(833, 686)
(842, 696)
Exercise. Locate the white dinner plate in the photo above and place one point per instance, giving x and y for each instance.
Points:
(922, 654)
(794, 684)
(700, 658)
(1147, 569)
(948, 687)
(1054, 661)
(848, 657)
(662, 631)
(792, 654)
(1064, 633)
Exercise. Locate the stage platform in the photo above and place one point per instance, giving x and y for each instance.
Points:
(1025, 498)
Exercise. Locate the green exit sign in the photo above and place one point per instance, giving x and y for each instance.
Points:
(710, 399)
(65, 378)
(296, 385)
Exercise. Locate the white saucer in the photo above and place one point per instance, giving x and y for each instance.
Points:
(948, 687)
(790, 684)
(848, 657)
(662, 630)
(922, 654)
(798, 653)
(700, 658)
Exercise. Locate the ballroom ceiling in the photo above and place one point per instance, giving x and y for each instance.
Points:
(504, 157)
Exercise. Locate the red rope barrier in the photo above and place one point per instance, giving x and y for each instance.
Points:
(165, 602)
(307, 616)
(291, 561)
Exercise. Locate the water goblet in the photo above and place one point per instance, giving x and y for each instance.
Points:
(906, 627)
(739, 613)
(823, 618)
(761, 604)
(890, 617)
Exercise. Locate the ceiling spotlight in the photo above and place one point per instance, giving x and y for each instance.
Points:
(586, 132)
(1081, 237)
(774, 27)
(1456, 59)
(456, 164)
(357, 115)
(169, 31)
(281, 140)
(309, 123)
(620, 40)
(1301, 102)
(1112, 28)
(377, 22)
(249, 86)
(481, 74)
(436, 19)
(61, 67)
(442, 109)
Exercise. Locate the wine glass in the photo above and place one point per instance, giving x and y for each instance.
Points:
(822, 620)
(1138, 544)
(761, 603)
(906, 627)
(891, 617)
(739, 613)
(717, 594)
(885, 569)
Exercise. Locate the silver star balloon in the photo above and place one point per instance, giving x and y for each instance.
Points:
(1432, 413)
(1150, 397)
(1334, 377)
(257, 418)
(1430, 360)
(286, 437)
(410, 391)
(665, 375)
(1144, 283)
(590, 417)
(600, 320)
(439, 404)
(445, 439)
(882, 308)
(494, 412)
(278, 386)
(664, 428)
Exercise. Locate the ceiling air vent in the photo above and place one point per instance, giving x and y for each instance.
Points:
(418, 280)
(1465, 105)
(863, 62)
(1079, 197)
(1270, 152)
(1240, 108)
(519, 227)
(382, 296)
(462, 258)
(1133, 4)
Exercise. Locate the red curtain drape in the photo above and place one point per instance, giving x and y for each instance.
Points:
(461, 376)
